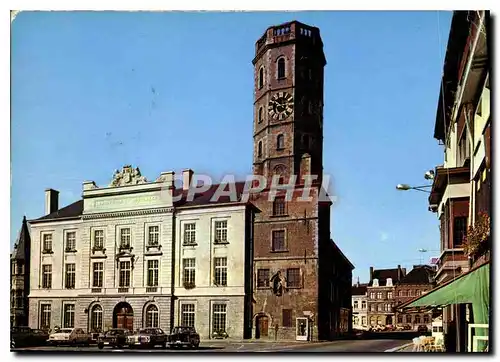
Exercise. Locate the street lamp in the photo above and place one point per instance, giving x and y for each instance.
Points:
(405, 187)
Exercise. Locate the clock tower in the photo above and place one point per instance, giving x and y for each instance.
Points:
(288, 102)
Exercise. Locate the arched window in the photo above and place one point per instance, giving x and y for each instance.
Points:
(280, 170)
(426, 318)
(372, 321)
(355, 304)
(260, 114)
(400, 319)
(152, 320)
(281, 68)
(261, 77)
(259, 151)
(417, 319)
(363, 304)
(280, 142)
(96, 319)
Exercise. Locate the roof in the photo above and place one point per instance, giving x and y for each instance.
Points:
(359, 289)
(337, 249)
(383, 274)
(75, 209)
(22, 243)
(420, 274)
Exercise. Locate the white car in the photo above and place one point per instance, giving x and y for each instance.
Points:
(71, 336)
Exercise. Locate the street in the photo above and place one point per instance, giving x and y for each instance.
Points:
(367, 346)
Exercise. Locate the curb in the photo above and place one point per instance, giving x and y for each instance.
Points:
(399, 347)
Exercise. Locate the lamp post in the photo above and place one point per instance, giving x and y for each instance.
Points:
(429, 175)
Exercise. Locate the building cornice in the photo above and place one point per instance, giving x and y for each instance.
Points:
(107, 215)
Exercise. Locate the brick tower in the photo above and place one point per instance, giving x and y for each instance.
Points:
(302, 280)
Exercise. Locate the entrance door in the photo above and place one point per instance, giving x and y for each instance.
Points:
(123, 316)
(302, 329)
(262, 327)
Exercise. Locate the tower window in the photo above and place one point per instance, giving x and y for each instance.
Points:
(280, 142)
(261, 77)
(259, 151)
(260, 114)
(281, 68)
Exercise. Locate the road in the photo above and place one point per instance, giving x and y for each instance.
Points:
(359, 346)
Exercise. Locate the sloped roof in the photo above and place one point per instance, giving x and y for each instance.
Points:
(383, 274)
(23, 241)
(359, 289)
(72, 210)
(420, 274)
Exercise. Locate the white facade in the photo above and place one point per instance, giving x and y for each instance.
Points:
(360, 308)
(213, 268)
(108, 262)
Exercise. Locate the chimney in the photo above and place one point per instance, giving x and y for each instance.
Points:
(187, 177)
(371, 273)
(358, 281)
(399, 273)
(51, 201)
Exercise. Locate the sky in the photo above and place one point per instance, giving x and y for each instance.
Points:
(93, 91)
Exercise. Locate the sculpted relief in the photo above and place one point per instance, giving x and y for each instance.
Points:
(127, 176)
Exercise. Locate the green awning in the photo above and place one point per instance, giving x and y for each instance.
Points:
(472, 287)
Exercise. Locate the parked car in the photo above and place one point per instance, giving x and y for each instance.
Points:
(148, 337)
(71, 336)
(184, 336)
(116, 337)
(27, 337)
(422, 329)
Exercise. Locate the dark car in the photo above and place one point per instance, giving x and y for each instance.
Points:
(27, 337)
(148, 337)
(422, 329)
(116, 337)
(184, 336)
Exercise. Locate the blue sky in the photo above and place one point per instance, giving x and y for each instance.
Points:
(92, 91)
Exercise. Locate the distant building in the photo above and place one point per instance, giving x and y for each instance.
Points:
(417, 282)
(359, 306)
(20, 278)
(381, 299)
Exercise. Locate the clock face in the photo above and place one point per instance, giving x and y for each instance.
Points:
(281, 106)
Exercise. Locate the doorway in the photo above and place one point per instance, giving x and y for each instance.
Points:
(388, 320)
(302, 329)
(123, 316)
(261, 326)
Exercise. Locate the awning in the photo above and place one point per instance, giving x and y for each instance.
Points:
(471, 287)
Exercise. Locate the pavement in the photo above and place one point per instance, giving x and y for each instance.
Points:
(339, 346)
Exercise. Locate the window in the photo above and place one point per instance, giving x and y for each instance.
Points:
(47, 242)
(279, 206)
(70, 276)
(363, 321)
(417, 319)
(426, 318)
(45, 316)
(187, 315)
(152, 273)
(278, 240)
(124, 281)
(355, 304)
(189, 271)
(219, 317)
(389, 295)
(263, 278)
(408, 319)
(402, 293)
(220, 271)
(260, 115)
(280, 142)
(97, 277)
(372, 295)
(410, 293)
(459, 230)
(400, 319)
(419, 293)
(125, 238)
(47, 276)
(152, 316)
(363, 304)
(190, 233)
(372, 321)
(380, 307)
(388, 308)
(153, 235)
(373, 307)
(379, 295)
(293, 278)
(19, 299)
(98, 239)
(281, 68)
(287, 318)
(259, 151)
(261, 77)
(221, 231)
(69, 316)
(96, 319)
(71, 241)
